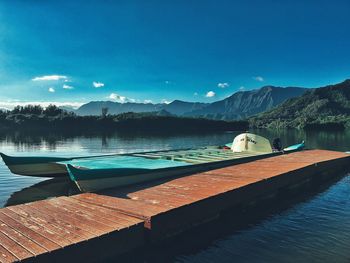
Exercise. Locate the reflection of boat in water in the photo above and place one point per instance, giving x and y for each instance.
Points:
(99, 172)
(43, 190)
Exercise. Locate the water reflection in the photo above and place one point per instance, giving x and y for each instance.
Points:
(336, 140)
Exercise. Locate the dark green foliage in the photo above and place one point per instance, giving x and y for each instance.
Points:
(53, 118)
(28, 109)
(53, 110)
(322, 108)
(152, 122)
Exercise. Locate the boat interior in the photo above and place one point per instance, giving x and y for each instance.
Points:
(198, 156)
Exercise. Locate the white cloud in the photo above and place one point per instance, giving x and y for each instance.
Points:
(165, 101)
(223, 85)
(51, 89)
(210, 94)
(167, 82)
(13, 103)
(147, 101)
(67, 86)
(118, 98)
(49, 77)
(195, 94)
(97, 84)
(241, 88)
(259, 78)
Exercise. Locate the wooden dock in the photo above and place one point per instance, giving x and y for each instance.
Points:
(93, 226)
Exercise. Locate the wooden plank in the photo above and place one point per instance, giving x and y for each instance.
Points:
(62, 219)
(27, 243)
(216, 157)
(155, 198)
(81, 222)
(182, 196)
(201, 183)
(130, 207)
(189, 160)
(6, 256)
(190, 192)
(88, 213)
(112, 214)
(206, 185)
(175, 154)
(28, 232)
(14, 248)
(146, 156)
(200, 158)
(64, 229)
(224, 154)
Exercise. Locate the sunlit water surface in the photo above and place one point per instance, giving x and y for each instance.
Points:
(315, 229)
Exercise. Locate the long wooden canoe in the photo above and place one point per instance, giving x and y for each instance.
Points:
(54, 167)
(89, 179)
(104, 171)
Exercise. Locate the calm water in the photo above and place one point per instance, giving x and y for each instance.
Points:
(314, 228)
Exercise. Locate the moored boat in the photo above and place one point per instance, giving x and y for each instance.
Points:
(98, 172)
(245, 147)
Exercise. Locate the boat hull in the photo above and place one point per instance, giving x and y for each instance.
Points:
(52, 170)
(36, 166)
(91, 180)
(92, 185)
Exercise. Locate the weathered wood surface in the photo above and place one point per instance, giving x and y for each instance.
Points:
(44, 230)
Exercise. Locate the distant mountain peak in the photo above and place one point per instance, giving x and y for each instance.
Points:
(239, 105)
(327, 107)
(246, 103)
(177, 102)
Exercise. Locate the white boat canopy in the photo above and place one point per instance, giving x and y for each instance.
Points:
(248, 142)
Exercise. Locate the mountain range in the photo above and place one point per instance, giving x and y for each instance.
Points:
(240, 105)
(325, 107)
(243, 104)
(176, 107)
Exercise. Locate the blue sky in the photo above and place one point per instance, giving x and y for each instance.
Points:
(55, 51)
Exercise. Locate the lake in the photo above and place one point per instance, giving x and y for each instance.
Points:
(314, 227)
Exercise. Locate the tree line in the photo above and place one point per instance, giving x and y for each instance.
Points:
(36, 117)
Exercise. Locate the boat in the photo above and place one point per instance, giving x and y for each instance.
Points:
(90, 176)
(295, 147)
(94, 173)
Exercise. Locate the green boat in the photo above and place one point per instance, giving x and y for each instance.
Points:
(99, 172)
(36, 166)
